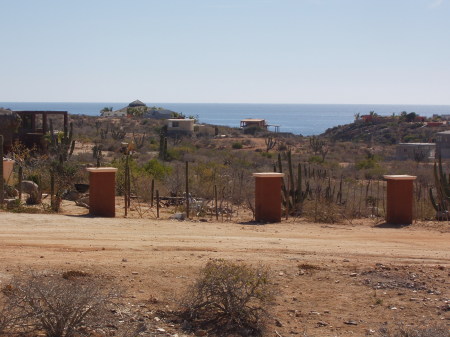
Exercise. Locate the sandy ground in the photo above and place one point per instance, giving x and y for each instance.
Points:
(334, 280)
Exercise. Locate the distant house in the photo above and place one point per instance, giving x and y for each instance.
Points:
(444, 117)
(116, 113)
(139, 108)
(30, 127)
(435, 124)
(253, 122)
(443, 144)
(420, 119)
(415, 151)
(180, 126)
(368, 118)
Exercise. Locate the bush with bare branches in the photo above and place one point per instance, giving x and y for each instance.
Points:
(230, 297)
(420, 331)
(62, 307)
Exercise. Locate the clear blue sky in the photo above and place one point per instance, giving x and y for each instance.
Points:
(242, 51)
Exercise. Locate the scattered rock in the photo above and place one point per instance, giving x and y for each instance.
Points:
(350, 322)
(83, 202)
(178, 216)
(11, 203)
(29, 187)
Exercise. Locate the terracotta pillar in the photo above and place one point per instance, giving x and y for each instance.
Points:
(268, 196)
(102, 191)
(399, 208)
(8, 166)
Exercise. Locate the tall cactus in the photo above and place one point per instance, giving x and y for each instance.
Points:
(441, 181)
(62, 148)
(163, 143)
(296, 195)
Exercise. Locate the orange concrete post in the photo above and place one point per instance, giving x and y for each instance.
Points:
(268, 196)
(8, 166)
(399, 208)
(102, 191)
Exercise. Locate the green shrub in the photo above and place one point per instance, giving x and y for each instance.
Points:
(233, 298)
(156, 169)
(315, 160)
(237, 145)
(267, 155)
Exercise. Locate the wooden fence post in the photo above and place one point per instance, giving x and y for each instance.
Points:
(215, 203)
(157, 203)
(187, 190)
(52, 189)
(20, 183)
(153, 191)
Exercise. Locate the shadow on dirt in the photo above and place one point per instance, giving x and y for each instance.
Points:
(389, 225)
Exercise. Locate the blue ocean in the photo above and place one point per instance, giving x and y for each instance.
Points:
(304, 119)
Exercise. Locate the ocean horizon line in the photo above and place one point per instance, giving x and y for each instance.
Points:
(297, 118)
(243, 103)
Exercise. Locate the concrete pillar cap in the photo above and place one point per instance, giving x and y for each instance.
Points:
(399, 177)
(268, 175)
(101, 169)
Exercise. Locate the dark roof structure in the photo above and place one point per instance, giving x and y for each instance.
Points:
(136, 103)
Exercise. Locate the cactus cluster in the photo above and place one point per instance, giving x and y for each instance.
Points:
(62, 147)
(293, 194)
(163, 143)
(308, 183)
(117, 133)
(139, 141)
(442, 185)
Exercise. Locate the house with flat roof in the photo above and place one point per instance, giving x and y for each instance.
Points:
(415, 151)
(180, 126)
(253, 122)
(443, 144)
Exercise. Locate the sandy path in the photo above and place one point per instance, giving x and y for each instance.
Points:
(59, 233)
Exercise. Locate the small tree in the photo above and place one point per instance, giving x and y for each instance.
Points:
(318, 146)
(270, 143)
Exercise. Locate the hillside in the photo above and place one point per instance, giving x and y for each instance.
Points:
(386, 131)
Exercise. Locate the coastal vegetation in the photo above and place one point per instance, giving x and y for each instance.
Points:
(333, 177)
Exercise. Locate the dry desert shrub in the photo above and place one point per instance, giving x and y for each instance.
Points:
(230, 298)
(8, 315)
(61, 307)
(429, 331)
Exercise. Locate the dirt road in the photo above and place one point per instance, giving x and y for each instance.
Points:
(329, 275)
